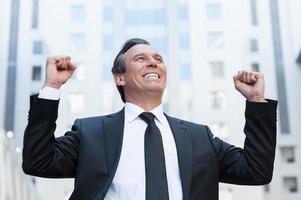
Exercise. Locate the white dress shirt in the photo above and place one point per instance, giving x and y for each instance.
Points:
(129, 180)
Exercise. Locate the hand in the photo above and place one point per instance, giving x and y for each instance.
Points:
(59, 69)
(250, 85)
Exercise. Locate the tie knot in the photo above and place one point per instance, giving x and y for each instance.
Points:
(148, 117)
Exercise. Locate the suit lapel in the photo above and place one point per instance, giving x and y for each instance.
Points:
(184, 151)
(113, 129)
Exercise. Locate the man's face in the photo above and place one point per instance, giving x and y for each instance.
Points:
(145, 71)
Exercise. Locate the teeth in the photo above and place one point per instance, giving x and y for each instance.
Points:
(151, 76)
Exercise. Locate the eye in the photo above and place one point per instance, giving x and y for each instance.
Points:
(139, 58)
(159, 59)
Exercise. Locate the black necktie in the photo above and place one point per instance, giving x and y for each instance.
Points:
(155, 171)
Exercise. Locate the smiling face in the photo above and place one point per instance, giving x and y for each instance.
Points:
(145, 74)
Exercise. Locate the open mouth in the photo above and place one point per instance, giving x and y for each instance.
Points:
(151, 75)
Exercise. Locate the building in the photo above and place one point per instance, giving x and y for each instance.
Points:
(14, 184)
(204, 43)
(4, 39)
(228, 36)
(286, 34)
(266, 38)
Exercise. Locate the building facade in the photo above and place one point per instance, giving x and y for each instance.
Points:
(14, 184)
(204, 43)
(4, 39)
(228, 37)
(286, 34)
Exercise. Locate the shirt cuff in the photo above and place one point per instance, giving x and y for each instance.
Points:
(49, 93)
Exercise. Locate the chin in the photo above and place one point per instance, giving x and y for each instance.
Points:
(158, 90)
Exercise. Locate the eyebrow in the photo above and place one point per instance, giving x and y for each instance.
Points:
(143, 54)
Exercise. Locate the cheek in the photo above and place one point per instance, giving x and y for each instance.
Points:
(164, 73)
(134, 71)
(133, 79)
(163, 69)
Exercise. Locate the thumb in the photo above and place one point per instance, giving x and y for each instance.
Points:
(259, 76)
(237, 78)
(71, 66)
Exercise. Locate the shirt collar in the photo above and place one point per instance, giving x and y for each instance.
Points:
(133, 111)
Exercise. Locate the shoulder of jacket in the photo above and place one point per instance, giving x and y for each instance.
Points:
(186, 122)
(100, 117)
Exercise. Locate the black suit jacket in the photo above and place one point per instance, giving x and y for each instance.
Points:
(91, 150)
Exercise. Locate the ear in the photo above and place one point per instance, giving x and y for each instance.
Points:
(119, 79)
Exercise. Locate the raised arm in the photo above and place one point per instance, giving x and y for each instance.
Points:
(252, 165)
(43, 154)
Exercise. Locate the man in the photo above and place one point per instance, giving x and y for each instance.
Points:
(140, 152)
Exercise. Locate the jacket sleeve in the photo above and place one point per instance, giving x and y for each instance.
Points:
(43, 154)
(252, 165)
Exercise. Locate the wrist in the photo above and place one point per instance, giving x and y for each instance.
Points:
(52, 84)
(257, 99)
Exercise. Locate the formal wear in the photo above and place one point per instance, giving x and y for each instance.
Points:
(92, 152)
(155, 169)
(129, 179)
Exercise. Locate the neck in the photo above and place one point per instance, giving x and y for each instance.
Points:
(146, 103)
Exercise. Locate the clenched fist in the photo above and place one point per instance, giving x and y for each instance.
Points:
(58, 70)
(250, 85)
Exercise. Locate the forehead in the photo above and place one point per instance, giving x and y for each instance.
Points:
(141, 49)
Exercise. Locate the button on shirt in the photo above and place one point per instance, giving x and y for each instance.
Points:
(129, 180)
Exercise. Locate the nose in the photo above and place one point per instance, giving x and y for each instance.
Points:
(152, 63)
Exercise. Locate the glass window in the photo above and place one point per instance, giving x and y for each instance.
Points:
(33, 180)
(78, 13)
(79, 73)
(217, 69)
(35, 14)
(159, 43)
(290, 184)
(266, 188)
(184, 42)
(183, 13)
(108, 42)
(254, 45)
(78, 40)
(36, 74)
(213, 11)
(185, 71)
(37, 47)
(299, 59)
(218, 100)
(108, 14)
(76, 102)
(255, 67)
(106, 72)
(220, 129)
(287, 154)
(166, 107)
(254, 18)
(215, 40)
(145, 17)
